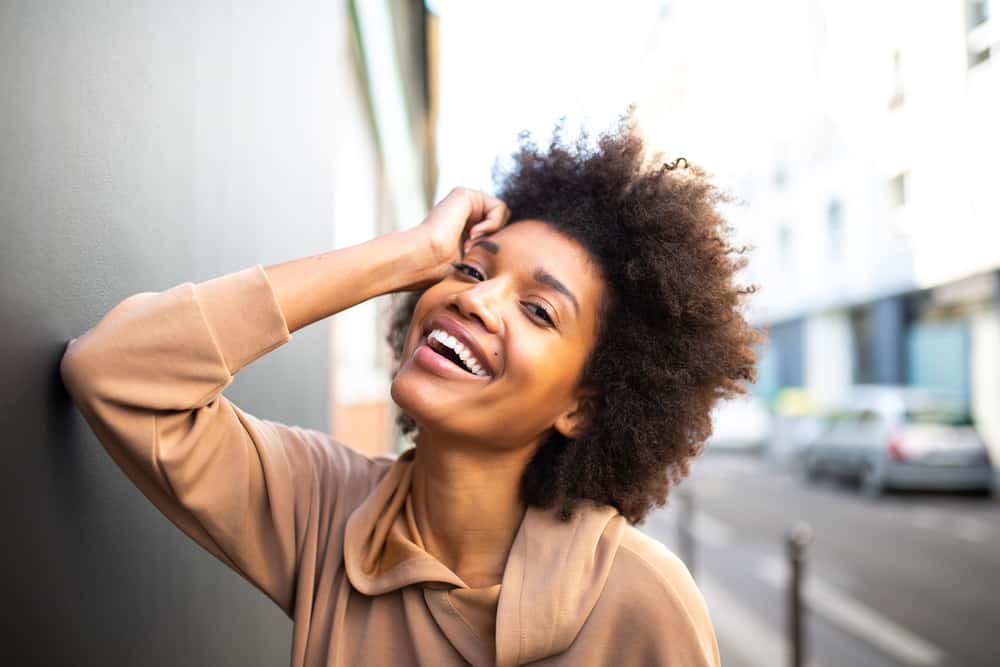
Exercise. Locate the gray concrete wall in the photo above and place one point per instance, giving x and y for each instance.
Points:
(144, 144)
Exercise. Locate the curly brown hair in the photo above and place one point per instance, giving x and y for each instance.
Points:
(672, 338)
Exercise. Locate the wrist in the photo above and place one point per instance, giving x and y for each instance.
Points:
(415, 263)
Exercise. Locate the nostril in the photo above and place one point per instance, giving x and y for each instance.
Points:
(471, 314)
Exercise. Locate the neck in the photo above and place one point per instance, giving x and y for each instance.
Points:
(467, 507)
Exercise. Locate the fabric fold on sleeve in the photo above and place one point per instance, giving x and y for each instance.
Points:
(242, 312)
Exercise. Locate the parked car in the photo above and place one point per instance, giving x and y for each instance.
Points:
(742, 423)
(889, 437)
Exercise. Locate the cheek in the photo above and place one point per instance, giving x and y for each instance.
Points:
(545, 370)
(423, 306)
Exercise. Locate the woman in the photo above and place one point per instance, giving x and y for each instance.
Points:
(559, 355)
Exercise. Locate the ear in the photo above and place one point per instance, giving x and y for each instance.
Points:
(573, 420)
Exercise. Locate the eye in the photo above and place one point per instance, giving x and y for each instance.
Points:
(536, 310)
(469, 270)
(540, 312)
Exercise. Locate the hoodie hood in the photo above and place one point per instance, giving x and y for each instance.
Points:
(555, 573)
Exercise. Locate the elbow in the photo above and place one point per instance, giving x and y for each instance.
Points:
(86, 356)
(73, 370)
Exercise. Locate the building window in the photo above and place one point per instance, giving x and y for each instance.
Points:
(896, 96)
(897, 189)
(835, 225)
(780, 177)
(863, 335)
(979, 57)
(785, 242)
(979, 12)
(978, 37)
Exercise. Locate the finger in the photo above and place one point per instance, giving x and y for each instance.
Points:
(482, 228)
(487, 227)
(496, 214)
(493, 216)
(484, 206)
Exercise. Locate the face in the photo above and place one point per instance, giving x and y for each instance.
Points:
(521, 309)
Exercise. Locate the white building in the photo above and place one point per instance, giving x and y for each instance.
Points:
(862, 139)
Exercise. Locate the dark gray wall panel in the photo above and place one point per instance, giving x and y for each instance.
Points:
(144, 144)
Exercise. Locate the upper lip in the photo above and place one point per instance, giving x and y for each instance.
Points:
(455, 329)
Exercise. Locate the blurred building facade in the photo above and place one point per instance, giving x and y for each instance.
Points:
(861, 141)
(384, 179)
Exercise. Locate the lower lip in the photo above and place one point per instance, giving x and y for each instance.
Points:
(435, 363)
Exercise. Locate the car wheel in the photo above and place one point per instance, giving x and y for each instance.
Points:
(870, 483)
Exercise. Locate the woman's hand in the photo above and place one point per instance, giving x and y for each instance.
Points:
(311, 288)
(455, 222)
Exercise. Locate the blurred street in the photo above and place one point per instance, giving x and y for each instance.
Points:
(905, 579)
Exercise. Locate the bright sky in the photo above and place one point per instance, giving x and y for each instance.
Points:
(521, 65)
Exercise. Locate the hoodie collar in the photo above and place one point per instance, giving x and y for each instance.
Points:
(380, 522)
(555, 572)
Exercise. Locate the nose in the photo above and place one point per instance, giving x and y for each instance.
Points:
(480, 301)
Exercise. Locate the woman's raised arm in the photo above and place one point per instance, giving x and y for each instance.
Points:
(312, 288)
(149, 376)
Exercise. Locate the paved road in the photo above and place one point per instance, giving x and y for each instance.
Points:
(908, 579)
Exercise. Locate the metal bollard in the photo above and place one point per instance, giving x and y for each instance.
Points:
(796, 539)
(685, 527)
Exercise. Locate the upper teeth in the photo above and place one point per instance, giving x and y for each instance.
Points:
(461, 350)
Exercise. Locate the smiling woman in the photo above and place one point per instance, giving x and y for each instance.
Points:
(659, 339)
(559, 352)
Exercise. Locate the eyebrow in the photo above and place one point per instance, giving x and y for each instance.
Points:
(541, 275)
(492, 247)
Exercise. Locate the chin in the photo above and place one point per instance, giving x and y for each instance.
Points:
(415, 397)
(423, 402)
(401, 392)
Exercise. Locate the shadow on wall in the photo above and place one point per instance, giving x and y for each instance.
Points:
(97, 575)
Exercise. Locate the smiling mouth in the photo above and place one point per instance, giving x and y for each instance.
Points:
(438, 341)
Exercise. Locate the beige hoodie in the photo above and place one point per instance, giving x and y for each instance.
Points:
(328, 533)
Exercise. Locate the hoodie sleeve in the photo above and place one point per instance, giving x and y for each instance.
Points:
(148, 380)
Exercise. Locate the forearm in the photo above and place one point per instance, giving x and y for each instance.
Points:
(313, 288)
